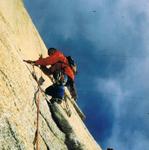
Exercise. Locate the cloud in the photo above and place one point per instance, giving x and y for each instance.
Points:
(129, 98)
(112, 52)
(113, 92)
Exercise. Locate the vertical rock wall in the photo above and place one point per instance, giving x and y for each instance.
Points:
(18, 91)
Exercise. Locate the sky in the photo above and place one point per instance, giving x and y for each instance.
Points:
(109, 41)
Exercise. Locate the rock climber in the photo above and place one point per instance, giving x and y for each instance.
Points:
(63, 69)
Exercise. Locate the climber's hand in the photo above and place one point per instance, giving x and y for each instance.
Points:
(40, 56)
(30, 62)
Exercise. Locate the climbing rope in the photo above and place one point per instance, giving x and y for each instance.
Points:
(38, 107)
(38, 110)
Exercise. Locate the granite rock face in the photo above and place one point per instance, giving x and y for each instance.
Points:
(19, 91)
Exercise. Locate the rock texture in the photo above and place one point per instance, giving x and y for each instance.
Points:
(20, 40)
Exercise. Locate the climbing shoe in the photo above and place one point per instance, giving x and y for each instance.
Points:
(58, 100)
(52, 100)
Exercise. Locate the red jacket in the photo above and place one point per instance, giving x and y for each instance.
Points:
(57, 60)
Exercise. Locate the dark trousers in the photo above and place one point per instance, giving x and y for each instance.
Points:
(56, 91)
